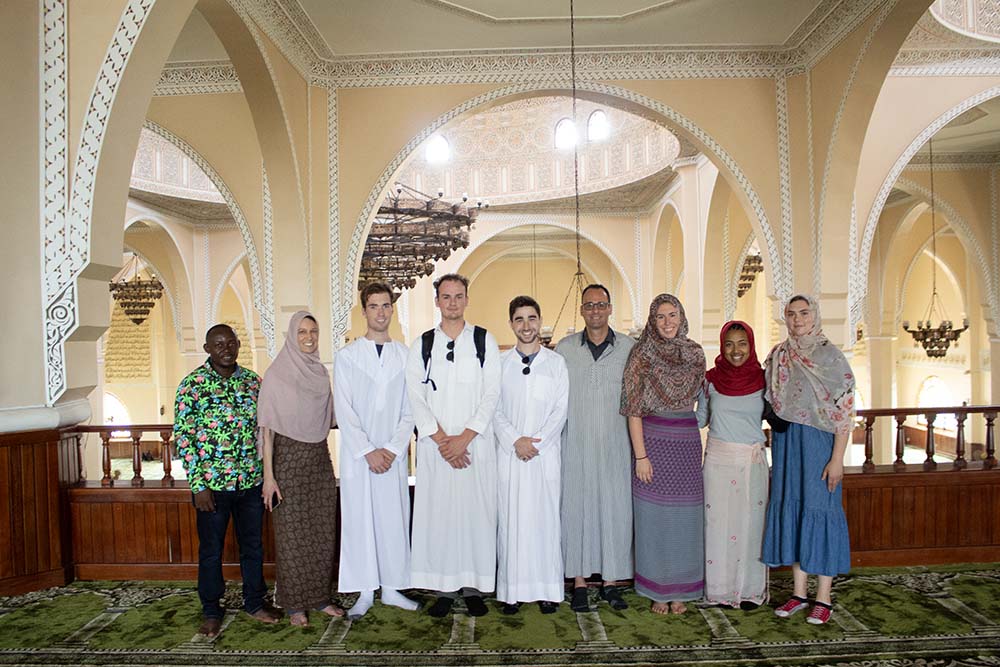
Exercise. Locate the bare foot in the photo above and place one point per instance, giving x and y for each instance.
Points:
(332, 610)
(660, 608)
(265, 615)
(210, 627)
(300, 619)
(678, 608)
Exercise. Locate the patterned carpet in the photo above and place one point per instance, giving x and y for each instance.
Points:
(928, 617)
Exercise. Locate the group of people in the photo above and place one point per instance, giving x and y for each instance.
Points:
(532, 465)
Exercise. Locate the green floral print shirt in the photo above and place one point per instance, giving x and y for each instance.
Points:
(215, 429)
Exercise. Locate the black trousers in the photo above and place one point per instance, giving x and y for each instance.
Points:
(247, 510)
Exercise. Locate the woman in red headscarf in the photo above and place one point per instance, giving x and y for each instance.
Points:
(735, 472)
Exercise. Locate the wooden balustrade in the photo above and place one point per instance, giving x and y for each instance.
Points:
(135, 431)
(961, 413)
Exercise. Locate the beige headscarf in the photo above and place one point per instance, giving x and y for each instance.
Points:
(295, 396)
(808, 380)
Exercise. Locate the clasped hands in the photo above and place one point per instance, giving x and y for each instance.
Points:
(380, 460)
(454, 448)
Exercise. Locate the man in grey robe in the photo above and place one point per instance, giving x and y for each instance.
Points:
(596, 499)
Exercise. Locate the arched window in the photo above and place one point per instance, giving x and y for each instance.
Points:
(565, 133)
(437, 150)
(597, 126)
(934, 393)
(115, 413)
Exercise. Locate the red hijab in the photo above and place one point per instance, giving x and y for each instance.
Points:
(736, 380)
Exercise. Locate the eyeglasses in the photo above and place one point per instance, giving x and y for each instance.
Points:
(527, 369)
(596, 305)
(451, 351)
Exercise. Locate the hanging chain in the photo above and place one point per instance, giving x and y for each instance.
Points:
(933, 230)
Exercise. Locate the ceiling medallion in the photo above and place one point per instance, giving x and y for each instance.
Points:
(935, 339)
(135, 296)
(412, 231)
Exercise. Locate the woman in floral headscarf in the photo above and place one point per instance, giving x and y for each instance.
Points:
(735, 472)
(811, 387)
(663, 377)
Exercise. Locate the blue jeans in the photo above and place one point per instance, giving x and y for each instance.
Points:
(247, 511)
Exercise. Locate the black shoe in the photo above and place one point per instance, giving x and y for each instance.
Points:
(579, 601)
(613, 597)
(476, 606)
(548, 607)
(441, 607)
(747, 605)
(511, 609)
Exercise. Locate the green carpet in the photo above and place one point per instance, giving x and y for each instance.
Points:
(884, 617)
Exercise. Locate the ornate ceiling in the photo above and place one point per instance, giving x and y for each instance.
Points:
(506, 154)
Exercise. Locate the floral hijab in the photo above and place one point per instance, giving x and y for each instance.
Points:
(809, 380)
(662, 373)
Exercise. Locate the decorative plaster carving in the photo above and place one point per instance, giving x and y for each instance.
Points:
(654, 106)
(995, 233)
(266, 317)
(785, 187)
(864, 260)
(817, 233)
(221, 286)
(204, 78)
(340, 297)
(128, 349)
(272, 349)
(880, 17)
(954, 161)
(728, 295)
(206, 267)
(66, 239)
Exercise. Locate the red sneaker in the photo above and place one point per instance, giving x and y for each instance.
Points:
(794, 605)
(820, 614)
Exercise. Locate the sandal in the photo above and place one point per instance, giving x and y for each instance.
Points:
(299, 619)
(613, 597)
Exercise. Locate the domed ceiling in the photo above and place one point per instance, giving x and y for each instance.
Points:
(508, 154)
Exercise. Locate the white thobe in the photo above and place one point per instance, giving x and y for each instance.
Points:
(529, 550)
(373, 412)
(454, 510)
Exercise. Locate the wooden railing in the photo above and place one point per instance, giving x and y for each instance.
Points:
(961, 413)
(135, 432)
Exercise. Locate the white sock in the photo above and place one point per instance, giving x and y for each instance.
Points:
(363, 604)
(393, 597)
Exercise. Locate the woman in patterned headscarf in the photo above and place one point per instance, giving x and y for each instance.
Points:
(295, 415)
(735, 472)
(811, 386)
(663, 377)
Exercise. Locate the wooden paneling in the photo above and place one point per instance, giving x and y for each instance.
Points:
(923, 518)
(35, 469)
(145, 533)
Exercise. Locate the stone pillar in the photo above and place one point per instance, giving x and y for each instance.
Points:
(882, 370)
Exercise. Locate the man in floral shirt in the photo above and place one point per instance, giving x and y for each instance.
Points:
(215, 431)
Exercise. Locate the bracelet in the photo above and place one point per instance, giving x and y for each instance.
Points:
(639, 458)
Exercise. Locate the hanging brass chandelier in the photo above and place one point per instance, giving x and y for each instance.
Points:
(752, 265)
(135, 296)
(412, 231)
(935, 339)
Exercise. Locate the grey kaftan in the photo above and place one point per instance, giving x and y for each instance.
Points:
(596, 503)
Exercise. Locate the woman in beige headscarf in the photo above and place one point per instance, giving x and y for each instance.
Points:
(295, 414)
(810, 387)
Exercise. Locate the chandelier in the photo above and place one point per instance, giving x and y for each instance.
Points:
(752, 265)
(935, 339)
(135, 296)
(412, 231)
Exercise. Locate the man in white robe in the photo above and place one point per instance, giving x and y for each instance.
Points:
(373, 413)
(534, 395)
(453, 397)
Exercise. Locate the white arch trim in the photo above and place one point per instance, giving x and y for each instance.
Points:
(518, 248)
(965, 234)
(221, 286)
(941, 264)
(266, 318)
(557, 84)
(891, 178)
